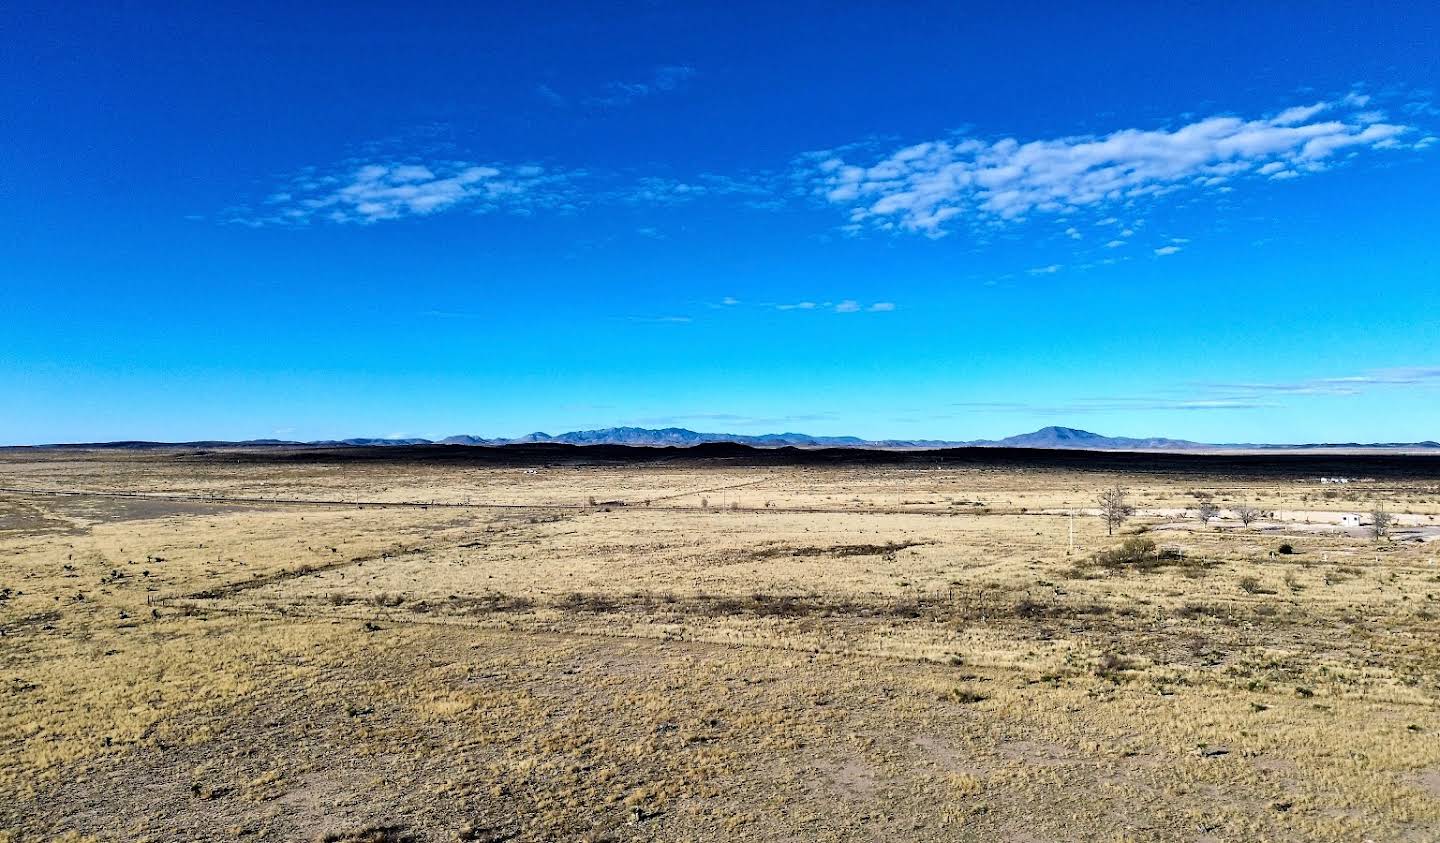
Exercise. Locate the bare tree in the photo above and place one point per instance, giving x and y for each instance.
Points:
(1114, 508)
(1380, 521)
(1246, 513)
(1207, 508)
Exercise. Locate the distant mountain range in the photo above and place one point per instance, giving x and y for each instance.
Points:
(1052, 437)
(1067, 438)
(679, 437)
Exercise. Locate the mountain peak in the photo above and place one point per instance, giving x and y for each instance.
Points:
(1066, 432)
(1053, 436)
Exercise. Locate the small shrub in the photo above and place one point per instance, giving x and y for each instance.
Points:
(353, 709)
(1200, 610)
(964, 696)
(1286, 549)
(1027, 608)
(1132, 551)
(1111, 662)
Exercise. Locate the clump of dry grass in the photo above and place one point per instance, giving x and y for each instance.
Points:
(886, 550)
(381, 833)
(1113, 665)
(1251, 584)
(964, 696)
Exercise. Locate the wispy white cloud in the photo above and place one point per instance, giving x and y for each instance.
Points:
(387, 188)
(452, 314)
(930, 187)
(842, 306)
(656, 191)
(368, 192)
(1206, 397)
(663, 320)
(1087, 406)
(1421, 105)
(551, 96)
(1176, 244)
(1045, 270)
(755, 190)
(665, 78)
(1342, 385)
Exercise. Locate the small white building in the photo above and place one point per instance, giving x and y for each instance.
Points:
(1349, 519)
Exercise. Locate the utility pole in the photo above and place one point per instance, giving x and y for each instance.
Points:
(1071, 551)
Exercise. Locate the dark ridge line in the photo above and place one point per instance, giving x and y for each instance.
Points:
(1282, 463)
(1270, 463)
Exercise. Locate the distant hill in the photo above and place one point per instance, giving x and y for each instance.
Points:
(1050, 438)
(1069, 437)
(363, 442)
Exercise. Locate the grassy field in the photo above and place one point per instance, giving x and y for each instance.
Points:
(197, 647)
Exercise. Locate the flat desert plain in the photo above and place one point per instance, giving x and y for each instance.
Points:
(307, 645)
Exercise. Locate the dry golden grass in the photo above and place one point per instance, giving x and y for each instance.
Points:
(817, 653)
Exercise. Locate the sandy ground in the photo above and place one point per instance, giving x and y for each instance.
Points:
(760, 653)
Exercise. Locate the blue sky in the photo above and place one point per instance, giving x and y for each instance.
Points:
(1214, 222)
